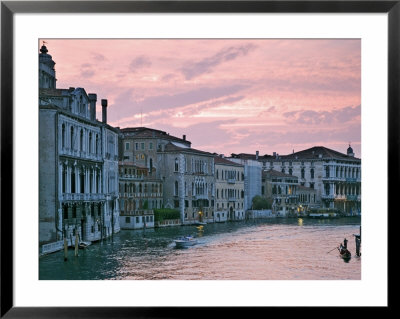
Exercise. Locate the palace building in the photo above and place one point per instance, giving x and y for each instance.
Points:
(187, 174)
(335, 176)
(78, 163)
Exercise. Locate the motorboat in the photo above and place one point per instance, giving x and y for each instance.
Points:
(185, 241)
(84, 244)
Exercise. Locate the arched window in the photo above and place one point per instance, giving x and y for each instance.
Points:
(176, 165)
(327, 171)
(82, 181)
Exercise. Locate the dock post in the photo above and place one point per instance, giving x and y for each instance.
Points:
(76, 244)
(65, 249)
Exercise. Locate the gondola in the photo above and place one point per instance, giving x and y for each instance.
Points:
(344, 253)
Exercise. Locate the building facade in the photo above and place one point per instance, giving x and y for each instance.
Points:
(187, 175)
(281, 190)
(229, 184)
(335, 176)
(252, 177)
(77, 179)
(189, 184)
(140, 193)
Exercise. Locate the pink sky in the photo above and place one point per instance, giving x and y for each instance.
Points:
(226, 95)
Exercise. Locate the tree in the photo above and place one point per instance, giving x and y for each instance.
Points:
(259, 202)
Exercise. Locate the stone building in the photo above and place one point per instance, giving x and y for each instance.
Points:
(78, 166)
(189, 184)
(252, 176)
(335, 176)
(229, 184)
(307, 199)
(140, 193)
(281, 189)
(187, 174)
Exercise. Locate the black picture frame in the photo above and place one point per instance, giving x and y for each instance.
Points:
(9, 8)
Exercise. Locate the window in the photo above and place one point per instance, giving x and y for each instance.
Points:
(142, 146)
(63, 136)
(312, 173)
(65, 212)
(90, 142)
(72, 138)
(176, 165)
(81, 141)
(137, 220)
(176, 189)
(127, 220)
(127, 146)
(302, 173)
(290, 171)
(150, 146)
(136, 146)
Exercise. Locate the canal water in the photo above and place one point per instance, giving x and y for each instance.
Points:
(271, 249)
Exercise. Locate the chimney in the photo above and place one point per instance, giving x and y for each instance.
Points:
(257, 152)
(92, 103)
(104, 109)
(184, 137)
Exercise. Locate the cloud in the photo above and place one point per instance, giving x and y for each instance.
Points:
(126, 104)
(87, 70)
(139, 62)
(310, 117)
(98, 57)
(193, 70)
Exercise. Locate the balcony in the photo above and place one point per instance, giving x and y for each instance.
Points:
(353, 180)
(353, 197)
(131, 177)
(82, 197)
(328, 196)
(200, 196)
(80, 154)
(231, 180)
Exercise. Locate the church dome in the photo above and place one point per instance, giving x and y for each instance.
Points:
(44, 57)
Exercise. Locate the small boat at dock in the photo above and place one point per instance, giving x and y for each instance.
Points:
(84, 244)
(185, 241)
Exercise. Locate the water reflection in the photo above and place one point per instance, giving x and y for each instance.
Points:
(263, 249)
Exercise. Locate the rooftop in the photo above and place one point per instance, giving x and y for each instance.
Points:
(224, 161)
(146, 132)
(170, 147)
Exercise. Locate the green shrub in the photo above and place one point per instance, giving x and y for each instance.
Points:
(166, 213)
(260, 202)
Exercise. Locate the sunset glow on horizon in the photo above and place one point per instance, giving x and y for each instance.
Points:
(226, 95)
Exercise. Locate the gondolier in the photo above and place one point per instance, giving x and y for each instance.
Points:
(345, 243)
